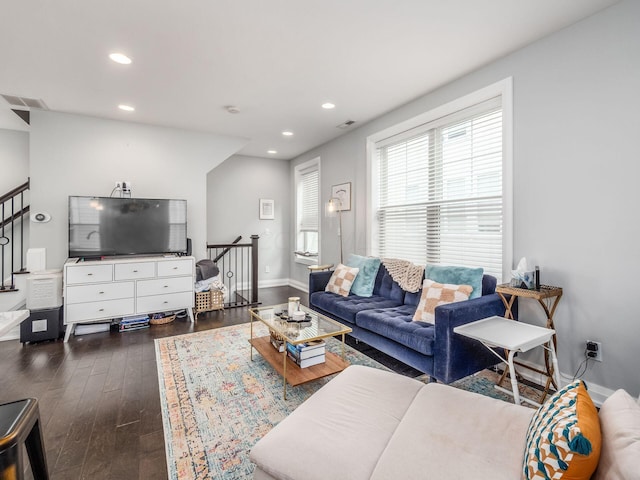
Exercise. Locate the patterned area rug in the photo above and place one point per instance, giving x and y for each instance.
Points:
(217, 402)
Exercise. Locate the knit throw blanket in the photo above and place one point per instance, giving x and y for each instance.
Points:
(404, 273)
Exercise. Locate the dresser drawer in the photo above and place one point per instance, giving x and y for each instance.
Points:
(161, 286)
(79, 312)
(89, 274)
(98, 292)
(162, 303)
(133, 271)
(170, 268)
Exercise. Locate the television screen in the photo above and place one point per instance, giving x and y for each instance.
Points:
(106, 226)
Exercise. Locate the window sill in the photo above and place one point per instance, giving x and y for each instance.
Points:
(306, 260)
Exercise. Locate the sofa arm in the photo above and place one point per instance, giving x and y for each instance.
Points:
(318, 281)
(456, 356)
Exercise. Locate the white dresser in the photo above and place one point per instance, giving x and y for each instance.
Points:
(105, 289)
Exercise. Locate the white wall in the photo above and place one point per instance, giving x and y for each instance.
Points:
(80, 155)
(14, 159)
(234, 189)
(576, 171)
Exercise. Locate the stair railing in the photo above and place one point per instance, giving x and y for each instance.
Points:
(13, 214)
(238, 265)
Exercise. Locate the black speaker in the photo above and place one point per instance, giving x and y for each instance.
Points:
(188, 247)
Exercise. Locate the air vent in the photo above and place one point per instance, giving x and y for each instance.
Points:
(23, 102)
(346, 124)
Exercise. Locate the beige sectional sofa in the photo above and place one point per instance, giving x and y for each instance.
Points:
(372, 424)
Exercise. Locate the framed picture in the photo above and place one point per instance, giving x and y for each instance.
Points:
(343, 193)
(267, 209)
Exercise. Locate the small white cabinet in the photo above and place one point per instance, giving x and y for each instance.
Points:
(105, 289)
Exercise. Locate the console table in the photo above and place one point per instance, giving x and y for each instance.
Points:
(548, 297)
(104, 289)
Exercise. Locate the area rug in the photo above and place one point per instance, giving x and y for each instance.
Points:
(217, 402)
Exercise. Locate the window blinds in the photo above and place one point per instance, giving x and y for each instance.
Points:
(440, 191)
(309, 193)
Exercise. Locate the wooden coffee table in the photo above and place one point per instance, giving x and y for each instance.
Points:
(317, 328)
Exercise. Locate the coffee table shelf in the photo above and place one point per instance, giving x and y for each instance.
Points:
(295, 374)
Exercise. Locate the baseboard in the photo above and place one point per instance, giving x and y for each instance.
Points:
(597, 392)
(299, 285)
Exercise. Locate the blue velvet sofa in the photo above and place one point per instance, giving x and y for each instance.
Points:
(385, 322)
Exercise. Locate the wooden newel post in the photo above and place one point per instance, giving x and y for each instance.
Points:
(254, 268)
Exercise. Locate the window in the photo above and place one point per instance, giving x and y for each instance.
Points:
(438, 194)
(307, 211)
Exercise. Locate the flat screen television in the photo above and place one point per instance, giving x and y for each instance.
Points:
(107, 226)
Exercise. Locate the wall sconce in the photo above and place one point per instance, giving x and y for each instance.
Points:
(335, 205)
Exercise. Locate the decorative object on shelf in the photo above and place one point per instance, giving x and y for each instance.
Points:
(267, 209)
(343, 193)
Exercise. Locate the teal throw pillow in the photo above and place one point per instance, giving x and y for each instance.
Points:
(457, 276)
(364, 282)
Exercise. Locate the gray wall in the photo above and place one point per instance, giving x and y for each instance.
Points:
(234, 189)
(575, 181)
(14, 159)
(80, 155)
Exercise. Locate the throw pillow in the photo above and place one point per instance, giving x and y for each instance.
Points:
(620, 424)
(457, 276)
(365, 280)
(563, 439)
(341, 280)
(434, 294)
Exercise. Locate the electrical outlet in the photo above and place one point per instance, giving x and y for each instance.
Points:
(594, 350)
(267, 269)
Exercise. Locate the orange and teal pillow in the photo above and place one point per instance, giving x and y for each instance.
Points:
(563, 439)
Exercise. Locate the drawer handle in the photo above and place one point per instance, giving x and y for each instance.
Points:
(135, 271)
(90, 274)
(101, 310)
(101, 293)
(166, 286)
(165, 302)
(175, 268)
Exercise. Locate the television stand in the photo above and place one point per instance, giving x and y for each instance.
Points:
(98, 290)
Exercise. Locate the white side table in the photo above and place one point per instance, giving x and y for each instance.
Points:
(512, 336)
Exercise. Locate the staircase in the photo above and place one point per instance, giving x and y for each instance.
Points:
(14, 225)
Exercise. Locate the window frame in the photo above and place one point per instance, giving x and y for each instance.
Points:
(503, 89)
(299, 170)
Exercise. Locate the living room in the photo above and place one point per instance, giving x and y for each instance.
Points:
(573, 97)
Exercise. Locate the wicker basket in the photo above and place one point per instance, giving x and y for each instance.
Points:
(162, 321)
(209, 301)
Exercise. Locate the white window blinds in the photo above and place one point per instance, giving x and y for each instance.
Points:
(309, 201)
(440, 191)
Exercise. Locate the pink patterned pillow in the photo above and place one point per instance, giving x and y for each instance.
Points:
(434, 294)
(342, 279)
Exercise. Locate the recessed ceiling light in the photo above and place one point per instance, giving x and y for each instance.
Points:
(287, 133)
(120, 58)
(328, 106)
(272, 152)
(126, 108)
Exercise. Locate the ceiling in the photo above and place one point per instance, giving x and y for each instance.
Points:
(276, 60)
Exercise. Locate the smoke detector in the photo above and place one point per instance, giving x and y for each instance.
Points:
(345, 125)
(232, 109)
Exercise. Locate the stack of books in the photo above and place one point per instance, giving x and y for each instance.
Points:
(307, 354)
(135, 322)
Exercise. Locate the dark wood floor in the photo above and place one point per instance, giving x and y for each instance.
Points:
(98, 395)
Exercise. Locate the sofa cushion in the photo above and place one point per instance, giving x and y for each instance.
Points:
(449, 433)
(341, 431)
(397, 324)
(620, 424)
(346, 308)
(457, 276)
(386, 287)
(563, 439)
(341, 280)
(366, 278)
(435, 294)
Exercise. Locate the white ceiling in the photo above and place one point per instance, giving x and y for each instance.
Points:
(276, 60)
